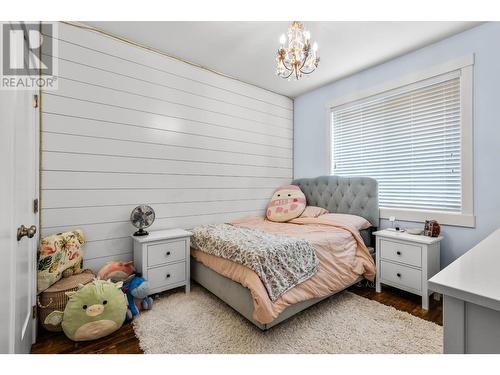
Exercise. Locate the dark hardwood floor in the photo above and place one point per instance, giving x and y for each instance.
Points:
(404, 301)
(124, 341)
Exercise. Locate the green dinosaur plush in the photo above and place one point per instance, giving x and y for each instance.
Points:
(94, 311)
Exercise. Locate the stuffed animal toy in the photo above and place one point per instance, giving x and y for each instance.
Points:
(94, 311)
(117, 271)
(137, 291)
(287, 203)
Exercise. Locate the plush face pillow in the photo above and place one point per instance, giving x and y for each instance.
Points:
(313, 211)
(94, 311)
(287, 203)
(354, 221)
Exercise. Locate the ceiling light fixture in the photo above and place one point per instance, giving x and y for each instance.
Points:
(298, 58)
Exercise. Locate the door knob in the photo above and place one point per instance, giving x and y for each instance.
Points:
(23, 231)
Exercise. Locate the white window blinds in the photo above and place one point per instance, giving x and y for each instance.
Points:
(408, 139)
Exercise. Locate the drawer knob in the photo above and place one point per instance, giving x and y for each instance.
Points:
(167, 253)
(168, 275)
(398, 252)
(398, 274)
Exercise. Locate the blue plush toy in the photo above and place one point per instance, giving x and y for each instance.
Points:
(137, 290)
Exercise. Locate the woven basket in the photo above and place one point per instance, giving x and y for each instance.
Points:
(54, 297)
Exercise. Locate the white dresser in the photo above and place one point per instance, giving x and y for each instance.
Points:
(407, 261)
(471, 307)
(163, 259)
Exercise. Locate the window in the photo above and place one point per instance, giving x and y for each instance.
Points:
(413, 139)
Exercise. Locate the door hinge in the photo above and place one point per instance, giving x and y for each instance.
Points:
(35, 101)
(35, 205)
(33, 312)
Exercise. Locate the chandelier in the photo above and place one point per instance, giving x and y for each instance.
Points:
(298, 58)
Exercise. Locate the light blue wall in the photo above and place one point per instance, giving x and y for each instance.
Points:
(484, 42)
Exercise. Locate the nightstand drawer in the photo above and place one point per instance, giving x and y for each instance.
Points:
(166, 275)
(401, 275)
(400, 252)
(166, 252)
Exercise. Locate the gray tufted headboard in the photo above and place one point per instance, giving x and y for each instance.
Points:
(346, 195)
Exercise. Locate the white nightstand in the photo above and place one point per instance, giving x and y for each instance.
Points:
(163, 259)
(407, 261)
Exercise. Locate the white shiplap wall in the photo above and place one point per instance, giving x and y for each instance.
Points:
(129, 126)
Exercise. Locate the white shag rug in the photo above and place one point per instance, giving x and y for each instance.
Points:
(199, 322)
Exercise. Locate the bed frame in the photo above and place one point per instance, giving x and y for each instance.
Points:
(348, 195)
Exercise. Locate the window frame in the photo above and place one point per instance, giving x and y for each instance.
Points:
(465, 65)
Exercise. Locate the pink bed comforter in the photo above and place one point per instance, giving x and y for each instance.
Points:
(343, 257)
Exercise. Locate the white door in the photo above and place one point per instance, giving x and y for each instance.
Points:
(19, 150)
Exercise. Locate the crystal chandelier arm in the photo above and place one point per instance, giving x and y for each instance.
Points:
(306, 56)
(312, 68)
(289, 74)
(305, 60)
(286, 67)
(282, 60)
(309, 72)
(289, 69)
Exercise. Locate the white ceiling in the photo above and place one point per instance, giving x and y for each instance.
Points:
(246, 50)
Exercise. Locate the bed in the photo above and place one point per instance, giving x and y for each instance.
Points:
(345, 195)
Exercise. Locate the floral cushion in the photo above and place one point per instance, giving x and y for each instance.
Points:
(58, 253)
